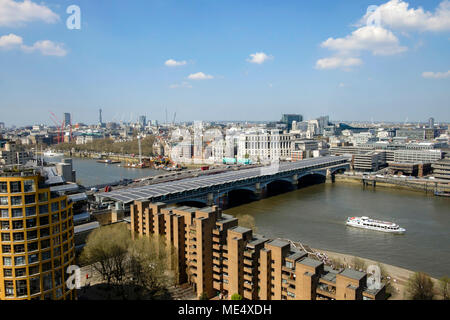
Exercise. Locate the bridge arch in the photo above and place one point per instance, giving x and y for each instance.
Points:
(311, 178)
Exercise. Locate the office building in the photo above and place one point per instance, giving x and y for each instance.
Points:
(216, 256)
(287, 119)
(67, 119)
(441, 168)
(37, 235)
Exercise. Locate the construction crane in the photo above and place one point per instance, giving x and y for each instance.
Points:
(59, 126)
(174, 116)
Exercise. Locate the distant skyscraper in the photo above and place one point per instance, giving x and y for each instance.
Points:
(100, 116)
(288, 118)
(431, 123)
(142, 121)
(67, 120)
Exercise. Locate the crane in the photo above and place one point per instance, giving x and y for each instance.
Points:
(174, 116)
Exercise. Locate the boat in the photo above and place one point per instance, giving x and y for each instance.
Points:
(51, 153)
(376, 225)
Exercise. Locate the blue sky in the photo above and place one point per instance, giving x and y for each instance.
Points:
(396, 70)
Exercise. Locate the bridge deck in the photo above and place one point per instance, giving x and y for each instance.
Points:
(192, 184)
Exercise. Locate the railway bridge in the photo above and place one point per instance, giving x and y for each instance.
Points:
(214, 188)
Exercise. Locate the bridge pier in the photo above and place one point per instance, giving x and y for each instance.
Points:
(295, 181)
(330, 178)
(260, 192)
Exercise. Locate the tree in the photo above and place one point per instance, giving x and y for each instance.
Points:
(203, 296)
(247, 221)
(444, 287)
(236, 296)
(420, 287)
(106, 250)
(359, 264)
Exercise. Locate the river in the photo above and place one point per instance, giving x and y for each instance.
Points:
(316, 216)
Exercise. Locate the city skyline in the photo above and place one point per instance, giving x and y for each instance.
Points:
(225, 60)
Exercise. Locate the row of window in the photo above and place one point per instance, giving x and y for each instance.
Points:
(32, 222)
(31, 211)
(30, 199)
(34, 246)
(34, 258)
(33, 234)
(16, 186)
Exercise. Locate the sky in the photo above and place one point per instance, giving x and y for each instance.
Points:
(208, 60)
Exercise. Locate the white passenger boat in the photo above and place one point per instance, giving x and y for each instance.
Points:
(371, 224)
(51, 153)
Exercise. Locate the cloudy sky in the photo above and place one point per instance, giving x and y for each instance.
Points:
(225, 60)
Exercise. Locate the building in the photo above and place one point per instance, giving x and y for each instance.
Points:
(142, 121)
(262, 146)
(67, 119)
(12, 154)
(37, 235)
(431, 123)
(441, 168)
(287, 119)
(411, 155)
(216, 256)
(417, 133)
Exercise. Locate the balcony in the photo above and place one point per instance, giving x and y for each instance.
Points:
(326, 290)
(248, 277)
(216, 232)
(249, 253)
(248, 262)
(248, 270)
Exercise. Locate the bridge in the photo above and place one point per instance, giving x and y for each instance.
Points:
(210, 189)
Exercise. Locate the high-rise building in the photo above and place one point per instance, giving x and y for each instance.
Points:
(142, 121)
(37, 238)
(216, 256)
(288, 118)
(100, 121)
(67, 120)
(431, 123)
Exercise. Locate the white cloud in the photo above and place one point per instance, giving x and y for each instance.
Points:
(396, 14)
(174, 63)
(338, 62)
(184, 84)
(10, 41)
(375, 39)
(45, 47)
(14, 13)
(259, 58)
(200, 76)
(436, 75)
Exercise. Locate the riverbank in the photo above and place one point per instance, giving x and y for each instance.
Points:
(427, 187)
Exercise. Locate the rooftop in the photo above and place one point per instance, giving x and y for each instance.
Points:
(310, 262)
(353, 274)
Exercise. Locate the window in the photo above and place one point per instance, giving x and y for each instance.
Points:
(17, 213)
(16, 200)
(19, 261)
(43, 197)
(58, 277)
(7, 272)
(19, 248)
(15, 186)
(32, 258)
(18, 236)
(5, 225)
(33, 270)
(46, 255)
(57, 251)
(63, 215)
(6, 237)
(30, 199)
(4, 201)
(31, 235)
(35, 285)
(31, 223)
(7, 261)
(28, 186)
(17, 224)
(55, 206)
(3, 187)
(46, 266)
(55, 217)
(45, 244)
(4, 213)
(21, 288)
(32, 246)
(45, 232)
(43, 209)
(9, 288)
(30, 211)
(55, 229)
(6, 248)
(43, 221)
(21, 272)
(63, 204)
(48, 283)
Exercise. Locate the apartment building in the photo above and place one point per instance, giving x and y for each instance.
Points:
(217, 256)
(37, 238)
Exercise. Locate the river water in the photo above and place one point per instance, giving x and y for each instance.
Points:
(89, 172)
(316, 216)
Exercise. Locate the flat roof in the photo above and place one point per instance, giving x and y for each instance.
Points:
(297, 255)
(240, 229)
(353, 274)
(278, 243)
(86, 227)
(310, 262)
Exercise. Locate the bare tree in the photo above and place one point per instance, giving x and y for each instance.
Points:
(420, 287)
(444, 287)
